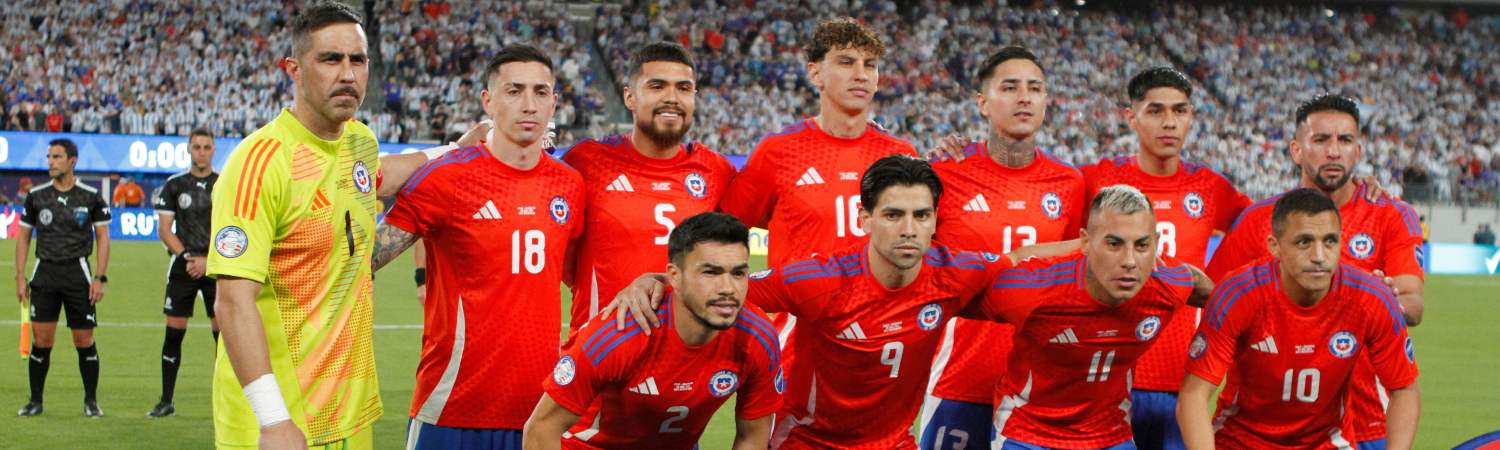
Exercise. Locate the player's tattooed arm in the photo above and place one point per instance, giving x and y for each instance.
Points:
(1203, 288)
(390, 242)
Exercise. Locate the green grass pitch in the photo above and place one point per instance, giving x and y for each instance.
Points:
(1455, 346)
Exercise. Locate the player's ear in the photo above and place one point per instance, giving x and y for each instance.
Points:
(293, 69)
(814, 75)
(980, 100)
(628, 96)
(1083, 240)
(1271, 245)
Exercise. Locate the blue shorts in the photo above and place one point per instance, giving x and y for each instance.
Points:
(1012, 444)
(425, 436)
(957, 425)
(1153, 419)
(1378, 444)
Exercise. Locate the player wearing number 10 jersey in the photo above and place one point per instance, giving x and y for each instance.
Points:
(1190, 202)
(640, 185)
(496, 221)
(1290, 332)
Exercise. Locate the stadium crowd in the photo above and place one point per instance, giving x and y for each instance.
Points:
(1423, 74)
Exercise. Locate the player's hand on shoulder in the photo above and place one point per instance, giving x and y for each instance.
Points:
(282, 435)
(1373, 189)
(638, 301)
(1390, 282)
(950, 148)
(475, 135)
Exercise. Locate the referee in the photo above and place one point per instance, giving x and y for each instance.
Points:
(66, 217)
(185, 201)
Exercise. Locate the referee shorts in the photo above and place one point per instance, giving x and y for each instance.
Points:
(182, 290)
(62, 285)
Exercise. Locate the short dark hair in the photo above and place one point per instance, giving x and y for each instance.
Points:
(200, 131)
(705, 227)
(1303, 201)
(67, 144)
(316, 17)
(512, 54)
(839, 33)
(659, 51)
(1328, 102)
(1158, 77)
(1007, 53)
(897, 170)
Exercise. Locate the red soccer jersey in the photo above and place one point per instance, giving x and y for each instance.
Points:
(990, 207)
(496, 238)
(1289, 363)
(1067, 380)
(656, 392)
(1189, 204)
(1381, 235)
(868, 348)
(802, 185)
(634, 202)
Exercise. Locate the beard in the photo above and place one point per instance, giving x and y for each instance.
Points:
(660, 136)
(1330, 185)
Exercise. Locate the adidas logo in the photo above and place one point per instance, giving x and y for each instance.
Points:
(1065, 337)
(647, 387)
(810, 177)
(1267, 345)
(977, 204)
(488, 211)
(853, 332)
(621, 184)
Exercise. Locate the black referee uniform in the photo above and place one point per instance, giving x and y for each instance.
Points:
(64, 223)
(188, 199)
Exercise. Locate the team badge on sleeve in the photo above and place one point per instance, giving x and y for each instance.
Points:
(1343, 344)
(1362, 246)
(559, 210)
(695, 185)
(1148, 328)
(362, 179)
(780, 381)
(723, 382)
(991, 257)
(930, 316)
(1052, 205)
(562, 373)
(231, 241)
(1192, 203)
(1411, 351)
(1199, 345)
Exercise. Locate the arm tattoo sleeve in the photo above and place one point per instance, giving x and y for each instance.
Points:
(389, 243)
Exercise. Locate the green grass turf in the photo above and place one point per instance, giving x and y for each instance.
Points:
(1455, 347)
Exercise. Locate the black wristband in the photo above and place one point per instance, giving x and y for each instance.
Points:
(421, 276)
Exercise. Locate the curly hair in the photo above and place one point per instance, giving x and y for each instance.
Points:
(843, 32)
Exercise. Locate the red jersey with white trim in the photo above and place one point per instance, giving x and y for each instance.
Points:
(1190, 205)
(496, 238)
(1290, 363)
(802, 185)
(656, 392)
(1067, 381)
(1381, 235)
(868, 348)
(634, 202)
(989, 207)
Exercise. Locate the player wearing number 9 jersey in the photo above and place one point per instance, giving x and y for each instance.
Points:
(1289, 331)
(640, 185)
(1190, 202)
(1082, 320)
(496, 221)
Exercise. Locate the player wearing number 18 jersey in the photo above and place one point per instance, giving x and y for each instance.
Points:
(1190, 202)
(640, 185)
(1290, 333)
(1003, 195)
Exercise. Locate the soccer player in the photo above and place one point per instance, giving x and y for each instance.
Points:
(1009, 194)
(497, 221)
(640, 185)
(1291, 330)
(66, 216)
(1190, 202)
(293, 230)
(184, 208)
(1082, 321)
(1381, 234)
(659, 391)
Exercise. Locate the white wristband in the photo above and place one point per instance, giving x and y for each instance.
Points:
(439, 151)
(265, 399)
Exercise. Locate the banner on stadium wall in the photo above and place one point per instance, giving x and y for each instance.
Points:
(1462, 259)
(122, 153)
(760, 241)
(131, 224)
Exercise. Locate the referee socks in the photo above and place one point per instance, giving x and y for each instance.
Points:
(88, 366)
(36, 366)
(171, 360)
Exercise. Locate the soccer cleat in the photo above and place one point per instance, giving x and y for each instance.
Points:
(31, 409)
(91, 409)
(162, 409)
